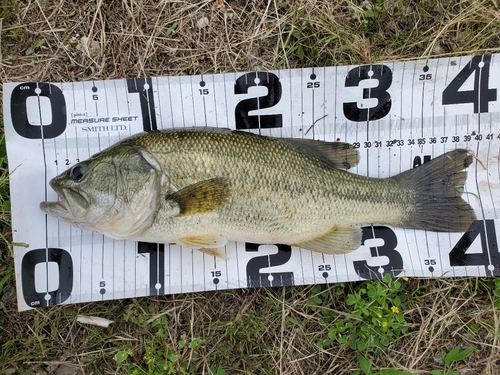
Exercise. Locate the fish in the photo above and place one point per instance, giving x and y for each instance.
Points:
(203, 187)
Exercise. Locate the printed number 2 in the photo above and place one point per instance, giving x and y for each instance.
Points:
(257, 279)
(388, 249)
(273, 85)
(381, 73)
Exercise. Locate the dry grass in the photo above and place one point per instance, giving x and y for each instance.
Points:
(265, 331)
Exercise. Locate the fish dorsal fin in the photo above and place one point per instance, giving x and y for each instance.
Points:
(339, 240)
(338, 154)
(201, 197)
(209, 244)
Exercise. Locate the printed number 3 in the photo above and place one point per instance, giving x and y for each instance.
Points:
(388, 249)
(381, 73)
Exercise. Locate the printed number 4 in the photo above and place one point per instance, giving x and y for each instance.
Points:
(481, 95)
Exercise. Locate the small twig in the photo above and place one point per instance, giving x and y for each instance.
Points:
(314, 123)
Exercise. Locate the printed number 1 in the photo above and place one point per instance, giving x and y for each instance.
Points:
(144, 87)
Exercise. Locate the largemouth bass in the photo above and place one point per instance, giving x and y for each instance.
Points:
(203, 187)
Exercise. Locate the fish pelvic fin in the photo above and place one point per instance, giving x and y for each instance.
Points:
(201, 197)
(336, 154)
(208, 244)
(438, 186)
(213, 252)
(339, 240)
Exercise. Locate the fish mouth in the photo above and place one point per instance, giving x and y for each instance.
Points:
(72, 203)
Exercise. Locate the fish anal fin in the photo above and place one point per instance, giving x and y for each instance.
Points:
(209, 244)
(339, 240)
(201, 197)
(338, 154)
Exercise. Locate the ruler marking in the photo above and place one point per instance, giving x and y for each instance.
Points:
(105, 97)
(181, 266)
(158, 102)
(195, 123)
(401, 119)
(182, 103)
(302, 112)
(170, 101)
(225, 266)
(457, 122)
(214, 95)
(91, 267)
(193, 284)
(368, 119)
(487, 242)
(38, 91)
(225, 100)
(313, 266)
(347, 264)
(169, 269)
(301, 265)
(238, 266)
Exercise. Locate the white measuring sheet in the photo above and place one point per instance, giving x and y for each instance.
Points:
(398, 114)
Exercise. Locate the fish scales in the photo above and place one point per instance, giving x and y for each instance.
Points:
(215, 185)
(281, 189)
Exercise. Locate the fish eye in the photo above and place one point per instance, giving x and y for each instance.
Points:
(77, 172)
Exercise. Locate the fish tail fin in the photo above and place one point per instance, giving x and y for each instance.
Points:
(438, 186)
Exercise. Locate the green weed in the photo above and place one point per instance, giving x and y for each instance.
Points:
(36, 46)
(158, 356)
(218, 371)
(454, 355)
(366, 368)
(374, 316)
(496, 293)
(245, 329)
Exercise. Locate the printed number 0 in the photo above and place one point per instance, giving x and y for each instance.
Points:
(19, 110)
(31, 259)
(383, 74)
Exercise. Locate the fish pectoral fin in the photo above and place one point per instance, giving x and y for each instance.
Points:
(208, 244)
(203, 196)
(338, 154)
(339, 240)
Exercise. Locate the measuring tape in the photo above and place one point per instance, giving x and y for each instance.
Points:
(398, 114)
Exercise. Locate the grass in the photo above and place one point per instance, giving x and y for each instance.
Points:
(436, 326)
